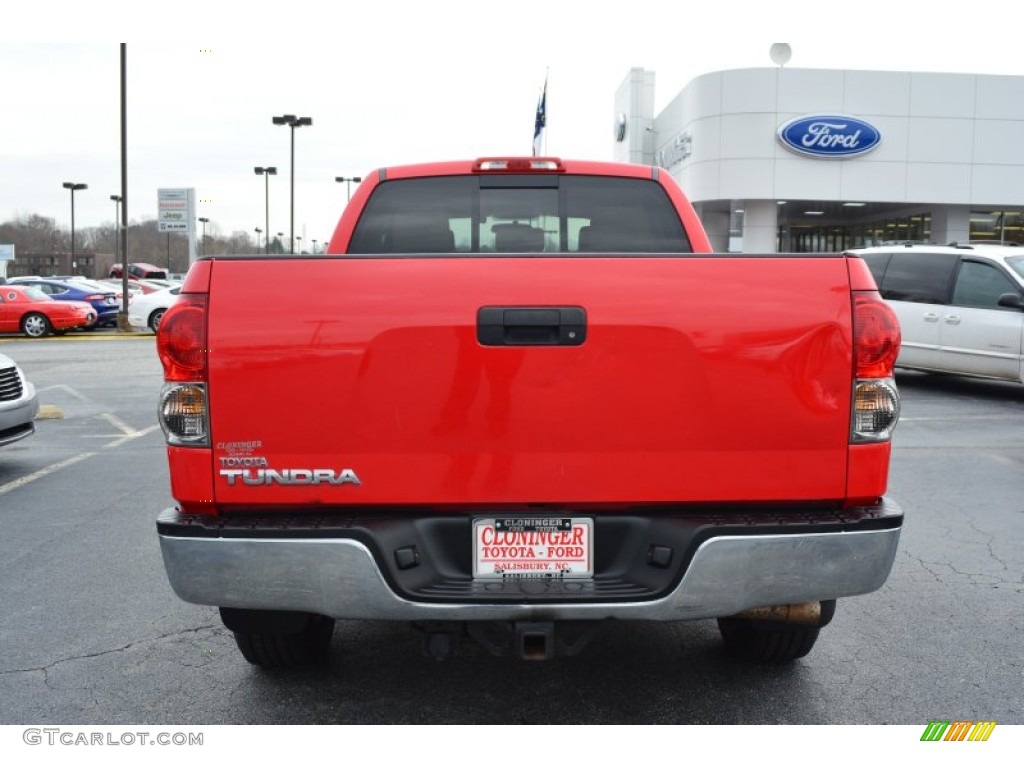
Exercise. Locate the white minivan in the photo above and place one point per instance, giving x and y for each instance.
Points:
(961, 307)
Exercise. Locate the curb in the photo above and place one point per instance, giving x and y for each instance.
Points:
(82, 336)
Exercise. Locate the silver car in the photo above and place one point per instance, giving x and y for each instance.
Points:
(960, 307)
(19, 404)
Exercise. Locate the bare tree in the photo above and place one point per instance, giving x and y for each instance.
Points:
(35, 234)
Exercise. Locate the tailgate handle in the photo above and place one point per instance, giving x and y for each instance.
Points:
(531, 326)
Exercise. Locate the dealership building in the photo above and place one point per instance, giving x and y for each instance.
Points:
(809, 160)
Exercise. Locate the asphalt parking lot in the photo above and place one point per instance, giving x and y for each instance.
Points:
(93, 634)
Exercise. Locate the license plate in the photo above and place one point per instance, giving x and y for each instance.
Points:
(532, 548)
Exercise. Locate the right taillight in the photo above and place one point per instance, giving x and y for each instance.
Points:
(876, 344)
(876, 335)
(181, 344)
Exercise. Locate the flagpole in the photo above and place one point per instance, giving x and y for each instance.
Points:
(546, 70)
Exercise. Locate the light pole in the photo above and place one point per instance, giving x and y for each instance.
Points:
(293, 122)
(299, 241)
(266, 173)
(117, 227)
(280, 236)
(203, 219)
(314, 247)
(74, 188)
(122, 317)
(348, 182)
(258, 233)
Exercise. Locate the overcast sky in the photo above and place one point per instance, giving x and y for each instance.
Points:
(396, 83)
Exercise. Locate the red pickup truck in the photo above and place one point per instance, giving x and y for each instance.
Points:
(517, 397)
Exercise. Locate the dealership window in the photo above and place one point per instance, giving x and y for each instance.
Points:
(916, 228)
(997, 226)
(904, 229)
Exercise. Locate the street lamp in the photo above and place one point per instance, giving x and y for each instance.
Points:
(74, 188)
(299, 241)
(203, 219)
(117, 227)
(266, 173)
(280, 236)
(348, 182)
(314, 247)
(293, 122)
(258, 233)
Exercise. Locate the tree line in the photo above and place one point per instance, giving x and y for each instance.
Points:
(37, 234)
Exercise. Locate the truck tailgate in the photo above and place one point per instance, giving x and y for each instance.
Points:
(699, 378)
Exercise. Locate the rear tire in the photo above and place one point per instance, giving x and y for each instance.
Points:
(35, 325)
(280, 639)
(771, 642)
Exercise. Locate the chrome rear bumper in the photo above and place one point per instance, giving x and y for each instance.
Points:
(340, 577)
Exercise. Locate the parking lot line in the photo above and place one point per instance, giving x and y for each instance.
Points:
(119, 424)
(70, 390)
(15, 484)
(131, 436)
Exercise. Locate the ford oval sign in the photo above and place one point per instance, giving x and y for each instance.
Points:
(829, 136)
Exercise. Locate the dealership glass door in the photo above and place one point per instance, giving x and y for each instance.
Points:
(834, 237)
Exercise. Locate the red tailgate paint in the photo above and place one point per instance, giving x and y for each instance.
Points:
(869, 473)
(192, 478)
(721, 378)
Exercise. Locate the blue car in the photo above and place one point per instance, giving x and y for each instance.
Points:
(104, 301)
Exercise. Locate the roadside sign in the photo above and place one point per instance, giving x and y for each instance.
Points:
(176, 210)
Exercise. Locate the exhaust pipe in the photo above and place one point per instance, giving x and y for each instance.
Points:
(809, 614)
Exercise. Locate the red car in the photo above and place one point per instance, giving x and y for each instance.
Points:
(29, 310)
(140, 271)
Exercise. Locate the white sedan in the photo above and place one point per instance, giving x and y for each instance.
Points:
(146, 311)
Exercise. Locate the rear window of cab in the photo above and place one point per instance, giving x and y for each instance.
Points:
(483, 214)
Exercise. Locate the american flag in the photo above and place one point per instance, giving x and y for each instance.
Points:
(541, 120)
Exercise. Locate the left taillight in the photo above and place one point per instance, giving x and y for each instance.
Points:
(181, 345)
(876, 345)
